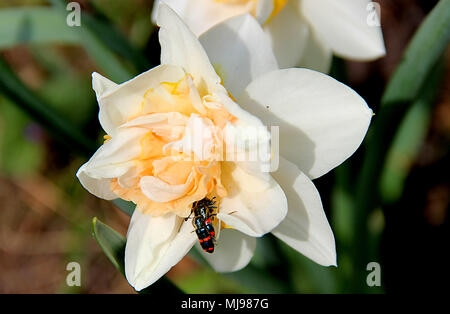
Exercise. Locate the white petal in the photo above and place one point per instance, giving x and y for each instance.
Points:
(180, 47)
(160, 191)
(244, 117)
(200, 137)
(322, 122)
(249, 146)
(154, 245)
(130, 178)
(102, 85)
(317, 55)
(306, 227)
(112, 160)
(150, 120)
(239, 51)
(169, 125)
(233, 251)
(245, 120)
(200, 15)
(177, 5)
(288, 34)
(264, 9)
(118, 104)
(252, 206)
(98, 187)
(345, 27)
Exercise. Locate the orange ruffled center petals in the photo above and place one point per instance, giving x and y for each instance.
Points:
(176, 165)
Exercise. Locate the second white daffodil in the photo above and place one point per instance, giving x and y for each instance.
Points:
(302, 32)
(227, 79)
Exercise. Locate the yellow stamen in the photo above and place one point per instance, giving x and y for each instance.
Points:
(225, 226)
(278, 5)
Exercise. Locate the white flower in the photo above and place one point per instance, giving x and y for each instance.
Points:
(322, 122)
(302, 32)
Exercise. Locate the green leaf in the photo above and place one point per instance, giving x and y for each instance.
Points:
(27, 100)
(111, 242)
(101, 40)
(113, 245)
(342, 214)
(21, 151)
(424, 50)
(205, 279)
(421, 55)
(111, 66)
(404, 149)
(58, 92)
(115, 41)
(252, 277)
(48, 25)
(106, 32)
(34, 25)
(258, 280)
(126, 207)
(367, 198)
(418, 72)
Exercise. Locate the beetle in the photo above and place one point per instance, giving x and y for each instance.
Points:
(203, 211)
(205, 208)
(205, 238)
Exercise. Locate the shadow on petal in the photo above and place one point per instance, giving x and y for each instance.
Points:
(292, 140)
(233, 251)
(305, 228)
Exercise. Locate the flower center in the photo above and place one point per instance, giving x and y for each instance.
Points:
(179, 162)
(278, 5)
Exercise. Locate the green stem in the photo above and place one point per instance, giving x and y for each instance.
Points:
(416, 76)
(367, 192)
(113, 245)
(255, 278)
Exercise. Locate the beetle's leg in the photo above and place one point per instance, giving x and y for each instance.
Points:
(185, 219)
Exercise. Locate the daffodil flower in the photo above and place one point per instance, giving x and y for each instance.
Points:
(302, 32)
(147, 154)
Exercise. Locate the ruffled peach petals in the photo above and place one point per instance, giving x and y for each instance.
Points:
(201, 181)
